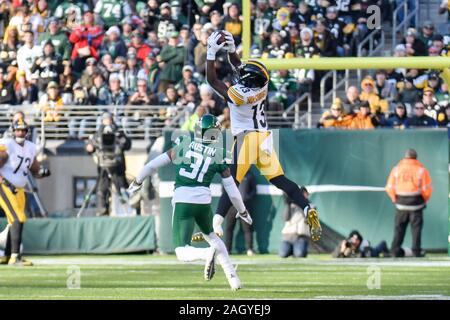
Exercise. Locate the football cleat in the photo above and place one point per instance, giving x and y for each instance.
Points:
(210, 265)
(14, 261)
(199, 237)
(234, 282)
(4, 259)
(245, 216)
(312, 219)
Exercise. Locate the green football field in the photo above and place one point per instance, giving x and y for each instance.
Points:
(264, 277)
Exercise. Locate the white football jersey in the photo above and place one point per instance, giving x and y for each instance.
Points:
(247, 108)
(19, 161)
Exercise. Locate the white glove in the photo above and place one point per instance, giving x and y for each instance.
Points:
(217, 224)
(134, 187)
(245, 216)
(213, 46)
(229, 41)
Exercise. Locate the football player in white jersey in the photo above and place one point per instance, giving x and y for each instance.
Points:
(17, 160)
(253, 141)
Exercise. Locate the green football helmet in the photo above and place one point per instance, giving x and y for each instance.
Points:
(207, 129)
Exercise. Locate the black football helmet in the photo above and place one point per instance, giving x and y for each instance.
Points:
(253, 74)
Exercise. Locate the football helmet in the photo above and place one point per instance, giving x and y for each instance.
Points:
(207, 129)
(253, 74)
(20, 125)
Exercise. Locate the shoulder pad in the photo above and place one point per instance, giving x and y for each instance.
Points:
(236, 95)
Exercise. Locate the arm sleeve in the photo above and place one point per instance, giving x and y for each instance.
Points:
(233, 193)
(160, 161)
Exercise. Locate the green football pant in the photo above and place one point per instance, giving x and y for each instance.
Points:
(185, 216)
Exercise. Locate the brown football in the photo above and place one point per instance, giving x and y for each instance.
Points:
(222, 38)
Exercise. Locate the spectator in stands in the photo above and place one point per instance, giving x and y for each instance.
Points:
(433, 81)
(438, 44)
(420, 119)
(362, 119)
(355, 246)
(283, 88)
(66, 78)
(445, 7)
(78, 121)
(200, 52)
(59, 39)
(370, 95)
(71, 12)
(86, 79)
(351, 102)
(335, 117)
(131, 74)
(87, 39)
(113, 44)
(194, 40)
(295, 231)
(116, 96)
(25, 92)
(111, 12)
(414, 46)
(442, 95)
(28, 54)
(408, 93)
(336, 27)
(170, 98)
(6, 90)
(409, 187)
(213, 106)
(142, 49)
(386, 90)
(247, 189)
(277, 48)
(232, 22)
(324, 39)
(432, 108)
(166, 25)
(9, 47)
(171, 60)
(141, 96)
(48, 66)
(99, 92)
(399, 118)
(187, 73)
(427, 33)
(189, 125)
(51, 103)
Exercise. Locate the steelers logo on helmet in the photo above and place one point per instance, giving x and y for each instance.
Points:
(208, 129)
(20, 125)
(253, 74)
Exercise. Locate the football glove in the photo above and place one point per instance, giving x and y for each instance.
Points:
(213, 46)
(134, 187)
(229, 41)
(245, 216)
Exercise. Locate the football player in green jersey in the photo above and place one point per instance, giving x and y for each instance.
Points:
(196, 163)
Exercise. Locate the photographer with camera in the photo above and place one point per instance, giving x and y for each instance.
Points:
(109, 145)
(357, 247)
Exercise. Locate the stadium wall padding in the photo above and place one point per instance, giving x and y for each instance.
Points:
(101, 235)
(345, 158)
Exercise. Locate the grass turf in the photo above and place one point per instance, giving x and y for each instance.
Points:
(264, 277)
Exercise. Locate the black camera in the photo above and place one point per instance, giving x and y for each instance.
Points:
(109, 151)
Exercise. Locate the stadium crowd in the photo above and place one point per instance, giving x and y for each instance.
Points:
(108, 52)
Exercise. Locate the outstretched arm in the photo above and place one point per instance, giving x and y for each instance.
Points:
(160, 161)
(211, 76)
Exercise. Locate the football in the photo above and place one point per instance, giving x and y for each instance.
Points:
(222, 38)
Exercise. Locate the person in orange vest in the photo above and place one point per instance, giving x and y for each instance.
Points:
(409, 187)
